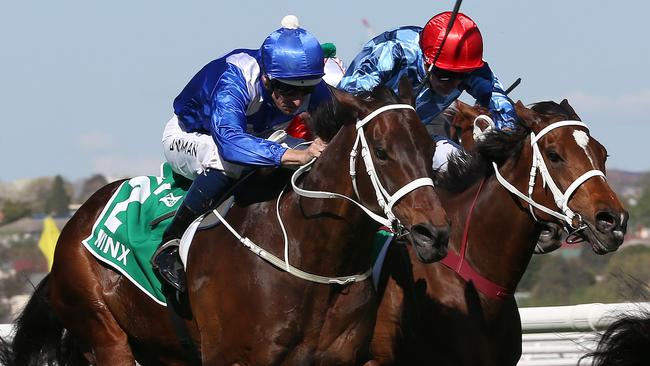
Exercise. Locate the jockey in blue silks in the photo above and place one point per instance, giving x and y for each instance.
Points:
(219, 118)
(411, 51)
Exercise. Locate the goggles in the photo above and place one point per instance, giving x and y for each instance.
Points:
(444, 75)
(291, 90)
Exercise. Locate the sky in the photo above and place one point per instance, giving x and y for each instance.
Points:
(87, 86)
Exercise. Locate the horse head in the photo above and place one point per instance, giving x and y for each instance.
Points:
(390, 154)
(463, 117)
(567, 176)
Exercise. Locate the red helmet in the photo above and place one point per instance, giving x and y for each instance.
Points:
(463, 49)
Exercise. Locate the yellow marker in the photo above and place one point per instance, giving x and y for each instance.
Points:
(48, 239)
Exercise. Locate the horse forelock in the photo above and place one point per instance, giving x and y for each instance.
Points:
(551, 108)
(328, 118)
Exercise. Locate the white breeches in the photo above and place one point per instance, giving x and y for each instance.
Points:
(444, 149)
(190, 153)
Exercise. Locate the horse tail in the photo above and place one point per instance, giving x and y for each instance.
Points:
(39, 338)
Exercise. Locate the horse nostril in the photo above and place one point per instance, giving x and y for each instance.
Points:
(423, 232)
(443, 237)
(437, 236)
(606, 221)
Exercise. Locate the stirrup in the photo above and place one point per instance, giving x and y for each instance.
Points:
(170, 243)
(168, 264)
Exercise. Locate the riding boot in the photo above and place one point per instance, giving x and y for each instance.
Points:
(206, 192)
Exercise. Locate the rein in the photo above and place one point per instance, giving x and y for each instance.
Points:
(384, 199)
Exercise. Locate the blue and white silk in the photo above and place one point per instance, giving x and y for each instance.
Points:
(227, 100)
(390, 55)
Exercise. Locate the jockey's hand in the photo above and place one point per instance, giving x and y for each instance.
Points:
(301, 157)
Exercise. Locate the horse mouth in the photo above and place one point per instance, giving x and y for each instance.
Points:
(550, 238)
(603, 243)
(430, 243)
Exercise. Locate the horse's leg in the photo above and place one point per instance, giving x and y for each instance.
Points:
(506, 337)
(81, 308)
(77, 298)
(388, 328)
(345, 335)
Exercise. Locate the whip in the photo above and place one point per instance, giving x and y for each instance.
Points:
(452, 19)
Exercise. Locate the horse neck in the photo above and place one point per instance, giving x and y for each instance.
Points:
(502, 234)
(335, 226)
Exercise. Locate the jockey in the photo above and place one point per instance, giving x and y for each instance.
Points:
(220, 115)
(460, 67)
(334, 70)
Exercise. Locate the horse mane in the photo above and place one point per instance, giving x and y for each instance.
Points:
(463, 170)
(550, 107)
(329, 117)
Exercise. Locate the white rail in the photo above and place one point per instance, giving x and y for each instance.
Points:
(577, 318)
(560, 335)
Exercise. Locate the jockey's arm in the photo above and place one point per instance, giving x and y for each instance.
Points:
(229, 130)
(301, 157)
(228, 125)
(484, 86)
(368, 70)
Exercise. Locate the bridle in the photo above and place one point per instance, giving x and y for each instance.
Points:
(561, 199)
(385, 200)
(458, 263)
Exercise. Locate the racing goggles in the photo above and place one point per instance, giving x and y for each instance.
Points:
(445, 75)
(287, 90)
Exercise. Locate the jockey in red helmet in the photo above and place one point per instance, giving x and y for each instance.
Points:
(221, 118)
(411, 51)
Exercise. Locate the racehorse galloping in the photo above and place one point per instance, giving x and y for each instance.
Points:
(463, 120)
(430, 313)
(246, 311)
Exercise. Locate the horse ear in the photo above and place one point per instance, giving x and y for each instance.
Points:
(567, 107)
(348, 100)
(465, 109)
(527, 117)
(354, 105)
(405, 90)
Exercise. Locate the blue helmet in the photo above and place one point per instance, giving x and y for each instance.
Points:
(292, 56)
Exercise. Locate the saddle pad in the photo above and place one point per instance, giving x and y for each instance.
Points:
(122, 237)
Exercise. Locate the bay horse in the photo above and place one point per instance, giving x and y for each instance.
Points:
(463, 120)
(461, 310)
(243, 310)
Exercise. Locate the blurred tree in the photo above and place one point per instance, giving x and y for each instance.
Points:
(58, 200)
(36, 192)
(640, 213)
(593, 262)
(533, 272)
(90, 186)
(14, 210)
(559, 280)
(626, 273)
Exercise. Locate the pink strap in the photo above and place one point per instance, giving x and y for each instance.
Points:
(465, 270)
(458, 264)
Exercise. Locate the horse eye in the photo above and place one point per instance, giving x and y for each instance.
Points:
(553, 156)
(381, 153)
